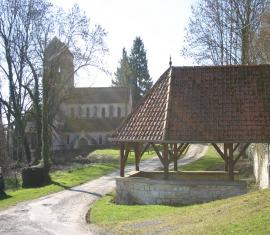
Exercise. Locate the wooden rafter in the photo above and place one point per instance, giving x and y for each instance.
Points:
(182, 150)
(157, 152)
(145, 148)
(219, 151)
(241, 153)
(235, 147)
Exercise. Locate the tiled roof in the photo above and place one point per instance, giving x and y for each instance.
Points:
(97, 95)
(203, 104)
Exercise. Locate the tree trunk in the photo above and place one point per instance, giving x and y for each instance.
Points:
(45, 116)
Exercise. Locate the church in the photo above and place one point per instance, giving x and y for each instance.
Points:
(85, 116)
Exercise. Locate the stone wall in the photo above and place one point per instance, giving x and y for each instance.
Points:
(140, 190)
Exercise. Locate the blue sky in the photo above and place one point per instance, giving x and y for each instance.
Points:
(160, 23)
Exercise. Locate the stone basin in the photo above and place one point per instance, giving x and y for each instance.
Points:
(181, 188)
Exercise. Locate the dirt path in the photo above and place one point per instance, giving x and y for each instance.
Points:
(64, 212)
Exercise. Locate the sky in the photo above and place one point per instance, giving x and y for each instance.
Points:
(160, 24)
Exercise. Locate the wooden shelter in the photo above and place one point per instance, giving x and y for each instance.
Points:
(227, 105)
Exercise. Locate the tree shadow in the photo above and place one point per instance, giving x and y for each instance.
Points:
(76, 190)
(3, 196)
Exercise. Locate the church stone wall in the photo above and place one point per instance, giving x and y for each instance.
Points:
(67, 110)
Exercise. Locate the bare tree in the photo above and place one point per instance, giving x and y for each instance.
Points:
(222, 32)
(26, 28)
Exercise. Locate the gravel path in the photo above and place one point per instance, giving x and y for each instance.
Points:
(64, 212)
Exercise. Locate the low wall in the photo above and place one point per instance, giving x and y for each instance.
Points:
(141, 190)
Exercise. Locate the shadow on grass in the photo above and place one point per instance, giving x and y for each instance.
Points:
(4, 196)
(76, 190)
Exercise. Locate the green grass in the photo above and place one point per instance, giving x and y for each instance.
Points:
(61, 180)
(114, 153)
(209, 160)
(246, 214)
(66, 178)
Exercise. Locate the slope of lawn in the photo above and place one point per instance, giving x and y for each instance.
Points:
(246, 214)
(60, 180)
(68, 178)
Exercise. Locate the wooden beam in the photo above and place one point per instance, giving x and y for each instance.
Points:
(122, 155)
(145, 148)
(219, 151)
(182, 150)
(226, 157)
(229, 147)
(166, 161)
(138, 155)
(236, 146)
(124, 152)
(158, 153)
(180, 146)
(175, 159)
(241, 153)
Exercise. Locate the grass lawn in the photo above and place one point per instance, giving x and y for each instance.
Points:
(209, 160)
(114, 153)
(60, 180)
(67, 178)
(246, 214)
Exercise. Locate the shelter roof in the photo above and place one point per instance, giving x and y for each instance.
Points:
(203, 104)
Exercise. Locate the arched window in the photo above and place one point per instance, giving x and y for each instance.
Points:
(103, 112)
(119, 112)
(111, 111)
(87, 112)
(72, 112)
(80, 111)
(95, 111)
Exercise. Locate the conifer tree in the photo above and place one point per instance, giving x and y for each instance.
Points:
(123, 73)
(141, 80)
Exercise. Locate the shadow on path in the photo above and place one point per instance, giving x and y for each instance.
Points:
(76, 190)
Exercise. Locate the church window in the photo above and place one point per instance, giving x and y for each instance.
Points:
(80, 111)
(111, 110)
(119, 112)
(87, 112)
(95, 111)
(103, 112)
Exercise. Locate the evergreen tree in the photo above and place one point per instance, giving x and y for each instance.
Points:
(141, 80)
(123, 73)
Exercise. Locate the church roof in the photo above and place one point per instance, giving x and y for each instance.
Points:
(203, 104)
(98, 95)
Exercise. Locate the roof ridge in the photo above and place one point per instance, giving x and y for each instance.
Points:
(168, 103)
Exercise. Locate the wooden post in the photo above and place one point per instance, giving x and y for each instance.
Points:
(175, 158)
(226, 155)
(230, 162)
(137, 151)
(166, 161)
(122, 157)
